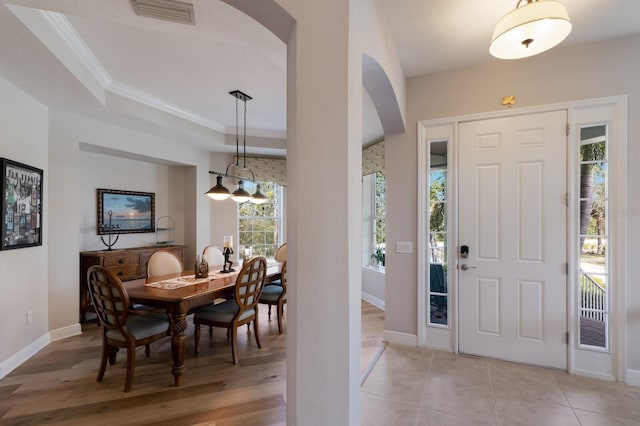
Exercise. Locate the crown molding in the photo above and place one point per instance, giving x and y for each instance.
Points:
(145, 98)
(74, 43)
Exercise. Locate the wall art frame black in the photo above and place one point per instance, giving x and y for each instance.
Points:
(132, 212)
(21, 189)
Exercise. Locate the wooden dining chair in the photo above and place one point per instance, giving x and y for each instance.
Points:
(122, 328)
(281, 253)
(276, 295)
(281, 257)
(242, 309)
(164, 262)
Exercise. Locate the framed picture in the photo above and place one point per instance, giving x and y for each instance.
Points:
(21, 205)
(126, 212)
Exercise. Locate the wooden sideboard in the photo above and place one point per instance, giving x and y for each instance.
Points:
(127, 264)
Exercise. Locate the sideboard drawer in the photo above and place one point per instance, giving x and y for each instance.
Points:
(126, 272)
(122, 260)
(127, 264)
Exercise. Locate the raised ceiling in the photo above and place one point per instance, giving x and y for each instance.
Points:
(100, 59)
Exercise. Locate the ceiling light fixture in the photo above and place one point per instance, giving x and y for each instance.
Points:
(534, 27)
(240, 195)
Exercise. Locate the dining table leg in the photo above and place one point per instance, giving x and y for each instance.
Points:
(178, 345)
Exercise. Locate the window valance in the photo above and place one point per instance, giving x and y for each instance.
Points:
(275, 169)
(373, 158)
(267, 169)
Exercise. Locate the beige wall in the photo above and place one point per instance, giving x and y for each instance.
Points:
(79, 172)
(106, 171)
(45, 279)
(23, 272)
(560, 75)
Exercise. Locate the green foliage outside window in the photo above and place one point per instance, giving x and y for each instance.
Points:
(259, 223)
(380, 211)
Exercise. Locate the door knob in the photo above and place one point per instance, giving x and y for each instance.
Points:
(465, 267)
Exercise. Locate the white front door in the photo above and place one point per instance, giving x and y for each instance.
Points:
(513, 218)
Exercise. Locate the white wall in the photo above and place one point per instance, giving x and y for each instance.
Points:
(45, 279)
(373, 286)
(560, 75)
(23, 272)
(182, 174)
(106, 171)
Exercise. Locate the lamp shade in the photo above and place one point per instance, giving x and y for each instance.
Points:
(219, 192)
(258, 197)
(240, 195)
(528, 30)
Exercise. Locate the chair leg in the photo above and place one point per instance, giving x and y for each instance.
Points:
(269, 313)
(280, 312)
(255, 330)
(234, 344)
(131, 365)
(147, 350)
(210, 331)
(196, 338)
(103, 361)
(112, 355)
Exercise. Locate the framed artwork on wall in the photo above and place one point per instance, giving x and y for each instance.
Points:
(21, 205)
(125, 212)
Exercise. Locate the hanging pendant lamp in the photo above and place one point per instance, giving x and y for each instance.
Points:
(219, 191)
(529, 29)
(240, 195)
(258, 197)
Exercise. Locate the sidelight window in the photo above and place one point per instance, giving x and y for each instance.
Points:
(594, 286)
(438, 239)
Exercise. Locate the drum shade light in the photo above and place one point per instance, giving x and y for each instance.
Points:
(531, 28)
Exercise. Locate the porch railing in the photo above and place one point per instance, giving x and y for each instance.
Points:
(593, 298)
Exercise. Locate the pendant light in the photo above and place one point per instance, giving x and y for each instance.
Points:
(531, 28)
(219, 191)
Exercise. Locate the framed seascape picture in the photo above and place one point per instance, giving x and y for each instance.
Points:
(21, 205)
(125, 212)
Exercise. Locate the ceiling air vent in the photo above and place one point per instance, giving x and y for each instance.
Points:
(167, 10)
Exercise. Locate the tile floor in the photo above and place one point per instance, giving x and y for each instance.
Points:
(411, 386)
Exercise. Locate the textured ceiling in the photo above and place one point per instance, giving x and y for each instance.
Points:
(100, 59)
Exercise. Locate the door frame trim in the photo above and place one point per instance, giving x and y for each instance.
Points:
(446, 338)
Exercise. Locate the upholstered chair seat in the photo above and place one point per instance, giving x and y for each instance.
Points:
(243, 309)
(122, 327)
(276, 295)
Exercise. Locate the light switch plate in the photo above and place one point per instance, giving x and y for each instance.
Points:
(404, 247)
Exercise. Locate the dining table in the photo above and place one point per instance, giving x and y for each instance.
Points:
(181, 294)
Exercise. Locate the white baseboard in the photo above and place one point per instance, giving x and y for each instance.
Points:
(369, 298)
(594, 375)
(24, 354)
(36, 346)
(64, 332)
(399, 338)
(633, 377)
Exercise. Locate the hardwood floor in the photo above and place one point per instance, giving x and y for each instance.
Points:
(58, 385)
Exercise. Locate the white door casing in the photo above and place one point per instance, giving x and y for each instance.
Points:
(513, 216)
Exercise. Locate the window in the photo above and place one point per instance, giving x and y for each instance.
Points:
(438, 294)
(373, 209)
(594, 284)
(260, 226)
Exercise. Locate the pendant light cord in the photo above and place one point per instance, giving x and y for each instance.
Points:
(237, 149)
(244, 136)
